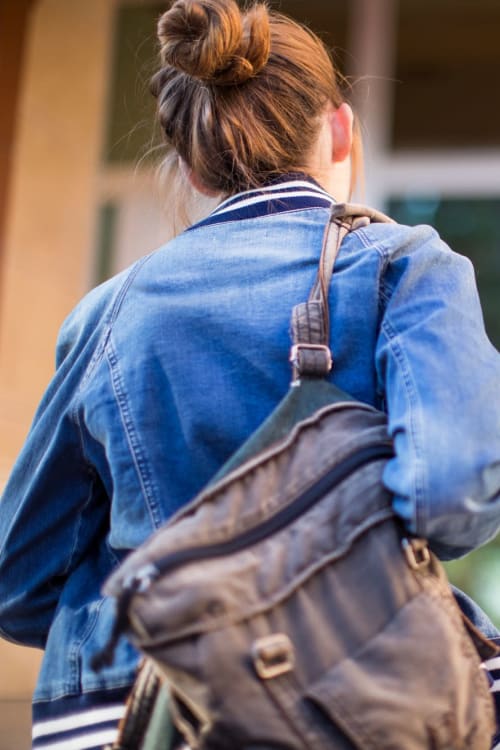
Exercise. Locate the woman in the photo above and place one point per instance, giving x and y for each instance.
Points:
(163, 371)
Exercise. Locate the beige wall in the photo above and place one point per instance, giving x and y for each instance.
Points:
(50, 222)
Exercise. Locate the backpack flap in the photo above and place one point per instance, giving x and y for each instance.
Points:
(270, 512)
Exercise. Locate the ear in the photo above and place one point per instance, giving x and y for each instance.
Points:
(194, 180)
(341, 125)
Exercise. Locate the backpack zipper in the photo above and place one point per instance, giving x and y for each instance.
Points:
(140, 581)
(276, 523)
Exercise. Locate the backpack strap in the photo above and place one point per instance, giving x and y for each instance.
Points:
(310, 326)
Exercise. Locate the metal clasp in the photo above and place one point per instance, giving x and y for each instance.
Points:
(273, 655)
(295, 351)
(416, 552)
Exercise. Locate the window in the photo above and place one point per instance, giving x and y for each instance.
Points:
(327, 19)
(131, 119)
(446, 74)
(106, 241)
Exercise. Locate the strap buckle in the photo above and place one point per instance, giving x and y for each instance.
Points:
(295, 358)
(273, 655)
(416, 552)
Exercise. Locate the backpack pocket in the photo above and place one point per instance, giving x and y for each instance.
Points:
(396, 692)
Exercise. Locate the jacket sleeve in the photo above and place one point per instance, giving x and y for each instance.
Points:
(441, 378)
(50, 491)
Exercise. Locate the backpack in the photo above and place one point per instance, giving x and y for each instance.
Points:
(285, 607)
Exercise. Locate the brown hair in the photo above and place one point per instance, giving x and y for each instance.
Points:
(240, 92)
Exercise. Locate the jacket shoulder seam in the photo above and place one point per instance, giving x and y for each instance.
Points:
(109, 321)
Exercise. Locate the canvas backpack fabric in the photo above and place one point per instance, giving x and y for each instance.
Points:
(285, 607)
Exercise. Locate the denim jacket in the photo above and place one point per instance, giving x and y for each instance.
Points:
(163, 371)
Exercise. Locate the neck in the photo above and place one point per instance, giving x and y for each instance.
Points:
(335, 179)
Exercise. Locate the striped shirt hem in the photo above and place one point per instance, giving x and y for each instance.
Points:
(87, 722)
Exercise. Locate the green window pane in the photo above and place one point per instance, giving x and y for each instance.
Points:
(469, 226)
(105, 250)
(131, 116)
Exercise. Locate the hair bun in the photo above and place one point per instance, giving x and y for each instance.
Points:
(215, 42)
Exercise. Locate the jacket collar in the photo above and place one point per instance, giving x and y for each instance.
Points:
(290, 192)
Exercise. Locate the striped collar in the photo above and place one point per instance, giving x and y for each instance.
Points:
(290, 192)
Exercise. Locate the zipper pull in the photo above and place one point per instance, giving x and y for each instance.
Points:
(137, 583)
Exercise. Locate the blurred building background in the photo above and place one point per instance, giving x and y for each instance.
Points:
(79, 197)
